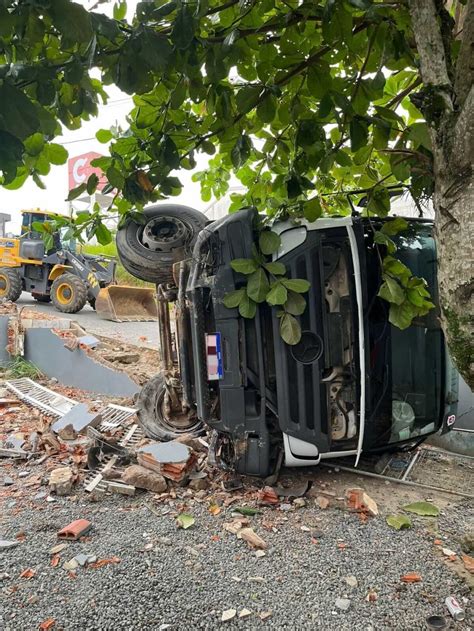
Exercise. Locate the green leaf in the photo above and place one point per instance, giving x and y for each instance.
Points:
(245, 510)
(37, 226)
(56, 154)
(75, 192)
(115, 178)
(34, 144)
(258, 286)
(402, 315)
(247, 97)
(400, 167)
(276, 268)
(419, 134)
(183, 28)
(381, 135)
(318, 81)
(234, 298)
(104, 135)
(290, 329)
(91, 184)
(358, 133)
(379, 201)
(394, 226)
(277, 295)
(399, 522)
(383, 239)
(185, 520)
(391, 291)
(103, 234)
(18, 115)
(244, 266)
(424, 509)
(266, 109)
(299, 285)
(295, 304)
(11, 153)
(72, 20)
(120, 10)
(415, 297)
(337, 23)
(241, 151)
(247, 307)
(269, 242)
(312, 209)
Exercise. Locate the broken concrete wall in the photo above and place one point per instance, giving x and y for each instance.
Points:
(74, 368)
(4, 355)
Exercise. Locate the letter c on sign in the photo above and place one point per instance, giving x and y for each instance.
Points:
(79, 177)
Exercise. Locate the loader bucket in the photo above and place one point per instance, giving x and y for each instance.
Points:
(121, 303)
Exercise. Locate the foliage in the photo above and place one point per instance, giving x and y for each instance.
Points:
(20, 367)
(425, 509)
(121, 275)
(301, 100)
(399, 522)
(266, 281)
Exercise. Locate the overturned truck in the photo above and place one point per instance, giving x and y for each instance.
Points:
(353, 383)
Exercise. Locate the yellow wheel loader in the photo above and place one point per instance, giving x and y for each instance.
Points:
(67, 278)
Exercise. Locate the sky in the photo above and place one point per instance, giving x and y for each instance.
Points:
(81, 141)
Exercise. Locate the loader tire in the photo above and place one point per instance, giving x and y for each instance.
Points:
(11, 284)
(68, 293)
(151, 414)
(148, 250)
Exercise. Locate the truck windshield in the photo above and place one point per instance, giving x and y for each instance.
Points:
(407, 366)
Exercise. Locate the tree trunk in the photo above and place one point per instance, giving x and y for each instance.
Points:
(454, 223)
(448, 96)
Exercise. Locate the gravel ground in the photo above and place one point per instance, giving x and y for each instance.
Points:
(186, 578)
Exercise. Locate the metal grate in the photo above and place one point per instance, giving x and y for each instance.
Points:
(95, 480)
(114, 415)
(52, 403)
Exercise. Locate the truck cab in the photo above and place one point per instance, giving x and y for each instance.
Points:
(353, 384)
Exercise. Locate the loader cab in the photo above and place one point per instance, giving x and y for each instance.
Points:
(61, 239)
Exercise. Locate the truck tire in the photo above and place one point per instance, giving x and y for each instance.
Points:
(11, 284)
(68, 293)
(149, 250)
(152, 417)
(42, 297)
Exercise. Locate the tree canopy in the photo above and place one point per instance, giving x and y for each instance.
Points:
(301, 100)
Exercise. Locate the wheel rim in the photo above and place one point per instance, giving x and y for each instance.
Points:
(3, 285)
(182, 423)
(164, 233)
(64, 293)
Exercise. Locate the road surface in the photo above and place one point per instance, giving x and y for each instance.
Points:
(138, 333)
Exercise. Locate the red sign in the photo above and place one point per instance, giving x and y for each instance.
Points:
(80, 168)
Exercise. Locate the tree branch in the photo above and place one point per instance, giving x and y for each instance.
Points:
(465, 64)
(429, 43)
(399, 98)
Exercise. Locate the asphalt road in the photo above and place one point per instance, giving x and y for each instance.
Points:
(138, 333)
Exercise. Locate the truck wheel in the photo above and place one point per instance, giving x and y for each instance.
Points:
(42, 297)
(11, 284)
(154, 419)
(68, 293)
(148, 250)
